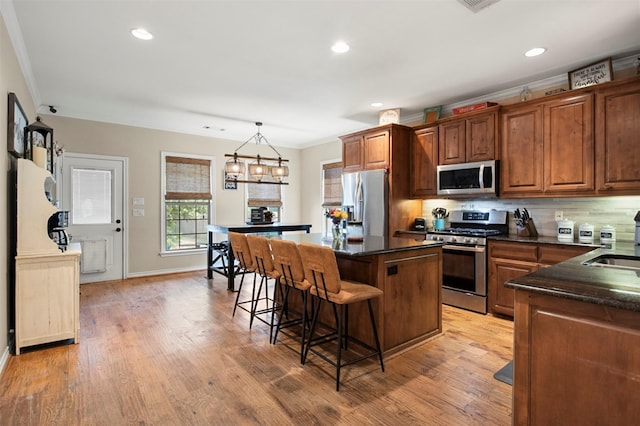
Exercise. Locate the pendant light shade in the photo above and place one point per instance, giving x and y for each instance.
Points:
(234, 168)
(280, 171)
(258, 170)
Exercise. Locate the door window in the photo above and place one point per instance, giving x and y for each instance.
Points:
(91, 197)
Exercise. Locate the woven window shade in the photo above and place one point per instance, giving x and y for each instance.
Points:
(261, 195)
(187, 178)
(332, 184)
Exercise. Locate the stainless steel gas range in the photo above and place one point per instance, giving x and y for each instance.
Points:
(464, 260)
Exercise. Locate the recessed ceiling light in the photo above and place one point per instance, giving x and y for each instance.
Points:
(535, 52)
(141, 33)
(340, 47)
(377, 104)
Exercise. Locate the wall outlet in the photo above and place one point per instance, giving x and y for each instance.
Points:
(559, 215)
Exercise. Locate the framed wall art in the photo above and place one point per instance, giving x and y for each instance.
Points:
(598, 72)
(17, 121)
(431, 115)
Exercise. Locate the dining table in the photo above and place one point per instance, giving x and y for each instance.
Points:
(246, 228)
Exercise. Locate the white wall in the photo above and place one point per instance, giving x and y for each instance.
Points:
(143, 148)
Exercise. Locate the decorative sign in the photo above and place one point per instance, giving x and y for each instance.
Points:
(229, 184)
(599, 72)
(390, 116)
(431, 115)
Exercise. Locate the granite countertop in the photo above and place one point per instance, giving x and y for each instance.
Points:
(369, 246)
(541, 240)
(572, 280)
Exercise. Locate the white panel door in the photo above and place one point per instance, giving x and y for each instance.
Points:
(93, 193)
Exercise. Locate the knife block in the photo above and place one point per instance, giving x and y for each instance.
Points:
(528, 229)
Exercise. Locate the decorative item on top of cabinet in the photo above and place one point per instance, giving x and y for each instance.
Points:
(617, 127)
(424, 160)
(548, 147)
(469, 137)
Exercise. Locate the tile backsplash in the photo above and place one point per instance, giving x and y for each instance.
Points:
(598, 211)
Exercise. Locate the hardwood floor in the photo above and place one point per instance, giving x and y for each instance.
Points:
(165, 350)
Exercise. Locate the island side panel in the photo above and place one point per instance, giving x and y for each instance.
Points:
(410, 310)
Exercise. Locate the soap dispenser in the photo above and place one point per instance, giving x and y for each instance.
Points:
(637, 219)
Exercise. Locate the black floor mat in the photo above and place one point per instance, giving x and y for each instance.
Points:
(505, 374)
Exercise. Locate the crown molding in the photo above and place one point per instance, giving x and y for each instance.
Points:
(618, 64)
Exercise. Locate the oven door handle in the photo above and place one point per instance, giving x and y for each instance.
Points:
(464, 248)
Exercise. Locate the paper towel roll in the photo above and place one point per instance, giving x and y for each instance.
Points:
(40, 156)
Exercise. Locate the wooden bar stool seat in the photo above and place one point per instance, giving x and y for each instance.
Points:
(321, 271)
(287, 261)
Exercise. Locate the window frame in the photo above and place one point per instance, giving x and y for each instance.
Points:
(163, 204)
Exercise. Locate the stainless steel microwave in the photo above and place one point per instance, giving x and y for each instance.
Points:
(468, 179)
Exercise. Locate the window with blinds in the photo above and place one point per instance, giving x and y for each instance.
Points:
(187, 202)
(262, 195)
(332, 185)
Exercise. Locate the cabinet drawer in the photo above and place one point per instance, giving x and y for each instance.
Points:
(552, 254)
(515, 251)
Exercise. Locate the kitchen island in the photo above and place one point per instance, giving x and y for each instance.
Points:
(577, 342)
(410, 275)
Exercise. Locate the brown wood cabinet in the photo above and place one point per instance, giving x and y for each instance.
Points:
(574, 362)
(548, 147)
(386, 147)
(618, 138)
(424, 159)
(469, 137)
(510, 259)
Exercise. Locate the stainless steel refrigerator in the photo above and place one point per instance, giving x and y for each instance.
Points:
(365, 196)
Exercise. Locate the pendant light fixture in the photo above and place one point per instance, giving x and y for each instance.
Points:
(259, 168)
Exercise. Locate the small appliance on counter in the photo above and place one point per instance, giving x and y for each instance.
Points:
(56, 227)
(420, 224)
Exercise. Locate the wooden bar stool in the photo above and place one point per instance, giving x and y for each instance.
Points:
(321, 271)
(287, 261)
(242, 253)
(265, 268)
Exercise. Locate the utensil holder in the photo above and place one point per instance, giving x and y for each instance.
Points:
(527, 229)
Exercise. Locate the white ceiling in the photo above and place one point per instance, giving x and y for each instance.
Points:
(227, 64)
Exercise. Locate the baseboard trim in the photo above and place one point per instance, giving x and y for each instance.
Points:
(165, 272)
(4, 359)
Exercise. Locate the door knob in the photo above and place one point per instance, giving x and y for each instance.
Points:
(117, 220)
(118, 229)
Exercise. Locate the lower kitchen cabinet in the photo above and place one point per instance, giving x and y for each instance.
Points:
(574, 362)
(510, 259)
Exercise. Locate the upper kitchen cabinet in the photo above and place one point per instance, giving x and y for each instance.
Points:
(469, 137)
(548, 147)
(372, 149)
(424, 159)
(618, 138)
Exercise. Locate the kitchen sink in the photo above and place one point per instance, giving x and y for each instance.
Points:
(615, 261)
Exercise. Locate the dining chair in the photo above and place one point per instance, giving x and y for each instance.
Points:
(321, 271)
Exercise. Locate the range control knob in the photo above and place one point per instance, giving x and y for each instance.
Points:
(454, 239)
